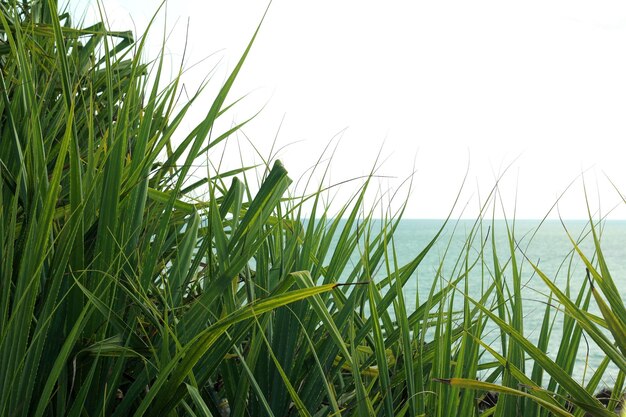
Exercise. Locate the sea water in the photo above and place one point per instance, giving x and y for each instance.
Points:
(546, 244)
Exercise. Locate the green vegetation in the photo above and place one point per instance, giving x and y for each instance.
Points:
(122, 295)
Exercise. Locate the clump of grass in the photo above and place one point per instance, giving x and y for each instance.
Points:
(121, 295)
(114, 283)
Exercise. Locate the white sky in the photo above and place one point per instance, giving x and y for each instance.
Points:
(540, 85)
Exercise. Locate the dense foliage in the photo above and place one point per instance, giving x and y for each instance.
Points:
(123, 294)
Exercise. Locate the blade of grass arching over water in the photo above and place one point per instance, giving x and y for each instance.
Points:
(614, 313)
(524, 380)
(583, 398)
(602, 278)
(585, 322)
(605, 281)
(613, 322)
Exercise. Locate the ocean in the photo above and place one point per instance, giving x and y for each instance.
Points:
(545, 244)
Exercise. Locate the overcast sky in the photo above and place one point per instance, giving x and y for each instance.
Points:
(538, 85)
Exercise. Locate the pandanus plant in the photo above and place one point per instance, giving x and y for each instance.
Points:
(115, 283)
(123, 293)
